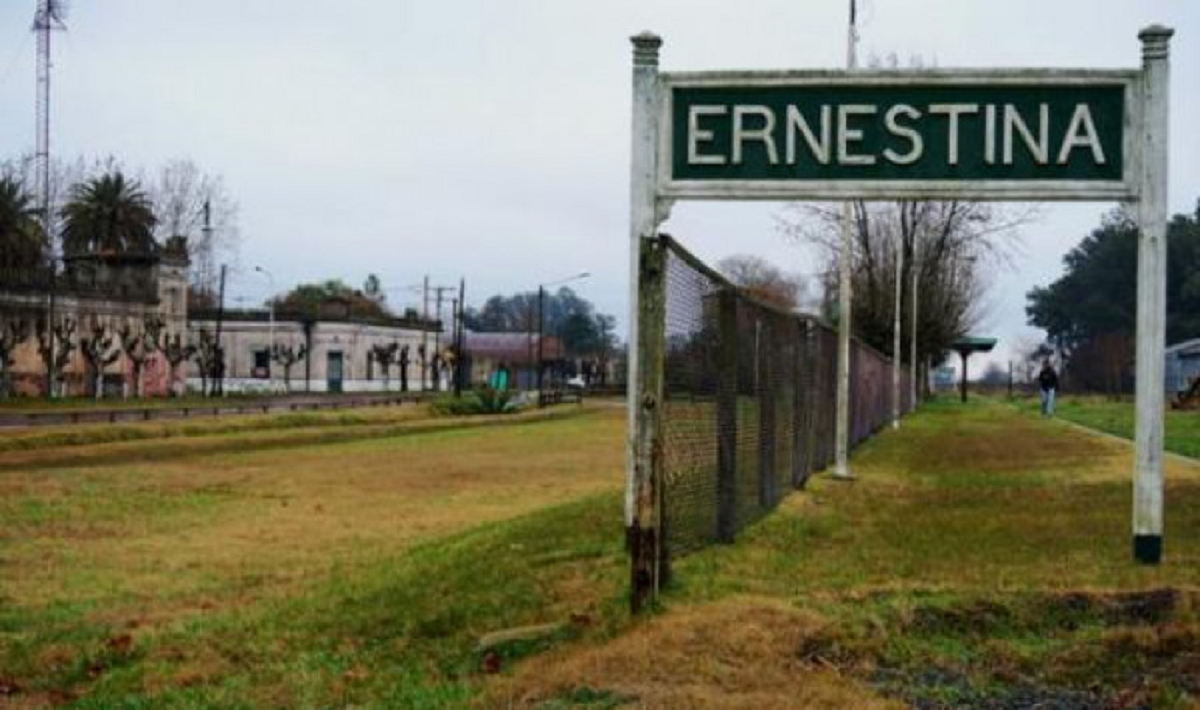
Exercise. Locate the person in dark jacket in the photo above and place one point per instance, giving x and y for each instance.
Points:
(1048, 380)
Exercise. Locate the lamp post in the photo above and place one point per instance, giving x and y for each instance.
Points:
(542, 323)
(896, 332)
(271, 322)
(912, 345)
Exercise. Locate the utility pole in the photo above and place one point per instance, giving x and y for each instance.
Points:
(460, 339)
(424, 330)
(438, 290)
(541, 337)
(842, 445)
(50, 329)
(219, 360)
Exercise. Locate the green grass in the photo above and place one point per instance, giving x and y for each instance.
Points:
(400, 632)
(1182, 427)
(982, 557)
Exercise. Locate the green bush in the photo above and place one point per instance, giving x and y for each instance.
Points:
(484, 400)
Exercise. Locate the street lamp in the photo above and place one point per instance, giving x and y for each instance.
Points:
(896, 332)
(271, 325)
(912, 344)
(542, 323)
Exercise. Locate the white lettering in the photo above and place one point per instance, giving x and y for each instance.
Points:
(1039, 148)
(795, 121)
(953, 111)
(989, 134)
(1081, 120)
(846, 135)
(696, 136)
(741, 134)
(914, 138)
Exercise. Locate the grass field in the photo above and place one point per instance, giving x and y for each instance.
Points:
(982, 558)
(277, 575)
(1182, 427)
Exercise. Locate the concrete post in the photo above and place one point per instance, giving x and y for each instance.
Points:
(1151, 295)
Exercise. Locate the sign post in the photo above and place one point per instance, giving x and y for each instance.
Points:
(833, 135)
(1151, 296)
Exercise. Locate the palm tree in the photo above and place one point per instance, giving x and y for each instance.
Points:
(109, 215)
(22, 239)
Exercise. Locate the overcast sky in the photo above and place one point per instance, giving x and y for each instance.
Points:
(490, 139)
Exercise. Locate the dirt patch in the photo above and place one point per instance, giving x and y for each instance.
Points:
(1066, 650)
(742, 653)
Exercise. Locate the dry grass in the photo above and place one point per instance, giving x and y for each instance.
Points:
(145, 543)
(982, 557)
(740, 653)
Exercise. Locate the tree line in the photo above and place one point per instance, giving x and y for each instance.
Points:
(102, 208)
(1090, 312)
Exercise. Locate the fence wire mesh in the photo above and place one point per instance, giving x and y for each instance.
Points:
(749, 403)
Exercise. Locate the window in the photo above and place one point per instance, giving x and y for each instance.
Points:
(262, 364)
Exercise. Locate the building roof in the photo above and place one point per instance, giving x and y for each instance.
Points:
(972, 344)
(513, 348)
(262, 315)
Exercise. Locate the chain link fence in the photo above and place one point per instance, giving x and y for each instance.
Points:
(749, 403)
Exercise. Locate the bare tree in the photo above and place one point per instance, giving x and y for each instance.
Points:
(55, 346)
(288, 355)
(763, 280)
(951, 245)
(177, 353)
(206, 359)
(139, 345)
(180, 192)
(99, 353)
(403, 360)
(12, 334)
(385, 355)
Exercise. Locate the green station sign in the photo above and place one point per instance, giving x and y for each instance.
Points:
(903, 131)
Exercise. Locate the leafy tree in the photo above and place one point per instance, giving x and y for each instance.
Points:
(23, 242)
(763, 280)
(573, 319)
(312, 298)
(109, 215)
(1090, 313)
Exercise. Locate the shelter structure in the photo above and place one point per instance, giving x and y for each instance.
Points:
(965, 347)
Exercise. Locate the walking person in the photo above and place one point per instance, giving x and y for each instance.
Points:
(1048, 380)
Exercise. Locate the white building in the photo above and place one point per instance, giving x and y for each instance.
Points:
(342, 352)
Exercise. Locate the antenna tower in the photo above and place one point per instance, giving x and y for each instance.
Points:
(49, 17)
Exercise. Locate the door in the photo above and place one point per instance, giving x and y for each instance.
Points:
(333, 371)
